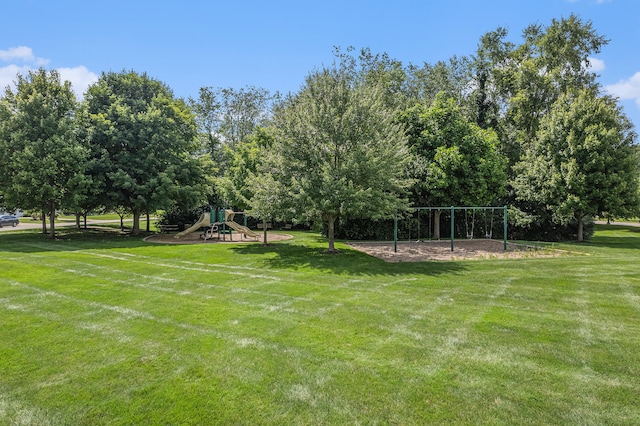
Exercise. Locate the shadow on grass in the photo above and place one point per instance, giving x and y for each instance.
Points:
(295, 256)
(618, 237)
(69, 239)
(306, 251)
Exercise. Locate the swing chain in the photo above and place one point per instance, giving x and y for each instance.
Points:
(488, 231)
(473, 219)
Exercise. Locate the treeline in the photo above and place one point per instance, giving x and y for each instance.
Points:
(525, 125)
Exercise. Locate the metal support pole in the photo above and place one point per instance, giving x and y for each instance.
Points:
(395, 232)
(452, 225)
(505, 227)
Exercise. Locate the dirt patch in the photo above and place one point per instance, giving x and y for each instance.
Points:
(441, 250)
(194, 238)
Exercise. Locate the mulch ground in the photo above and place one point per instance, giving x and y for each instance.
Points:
(475, 249)
(194, 238)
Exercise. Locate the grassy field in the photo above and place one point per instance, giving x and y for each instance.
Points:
(98, 329)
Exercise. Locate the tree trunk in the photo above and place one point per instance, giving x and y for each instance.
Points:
(264, 232)
(136, 222)
(84, 216)
(331, 226)
(436, 224)
(148, 222)
(78, 220)
(44, 221)
(579, 217)
(52, 220)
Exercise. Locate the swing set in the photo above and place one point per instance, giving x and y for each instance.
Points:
(469, 222)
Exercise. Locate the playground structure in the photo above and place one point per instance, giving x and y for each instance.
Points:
(468, 221)
(218, 223)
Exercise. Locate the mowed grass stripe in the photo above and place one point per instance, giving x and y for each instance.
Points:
(452, 339)
(374, 282)
(354, 302)
(445, 355)
(487, 342)
(271, 306)
(158, 263)
(131, 315)
(255, 310)
(128, 277)
(192, 288)
(308, 285)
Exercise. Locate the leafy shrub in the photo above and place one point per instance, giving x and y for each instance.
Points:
(182, 217)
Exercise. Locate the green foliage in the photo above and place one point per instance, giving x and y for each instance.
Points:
(227, 116)
(550, 61)
(143, 141)
(450, 78)
(456, 162)
(237, 186)
(583, 162)
(338, 152)
(182, 217)
(333, 153)
(40, 155)
(379, 70)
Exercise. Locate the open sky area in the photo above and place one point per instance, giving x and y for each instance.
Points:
(275, 44)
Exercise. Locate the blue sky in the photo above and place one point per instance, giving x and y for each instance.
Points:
(274, 44)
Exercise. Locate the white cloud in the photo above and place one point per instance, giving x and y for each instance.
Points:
(80, 77)
(596, 65)
(22, 60)
(22, 54)
(8, 74)
(626, 89)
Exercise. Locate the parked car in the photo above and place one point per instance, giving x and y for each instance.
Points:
(8, 220)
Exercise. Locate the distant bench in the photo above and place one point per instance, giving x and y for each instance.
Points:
(168, 228)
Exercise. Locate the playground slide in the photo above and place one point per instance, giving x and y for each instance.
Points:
(242, 229)
(205, 220)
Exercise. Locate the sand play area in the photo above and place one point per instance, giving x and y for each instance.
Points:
(475, 249)
(194, 238)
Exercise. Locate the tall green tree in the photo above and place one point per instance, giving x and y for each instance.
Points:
(363, 67)
(226, 116)
(583, 162)
(456, 162)
(245, 160)
(489, 95)
(452, 78)
(338, 152)
(527, 79)
(39, 149)
(244, 187)
(143, 143)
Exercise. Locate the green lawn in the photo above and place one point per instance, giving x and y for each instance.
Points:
(111, 330)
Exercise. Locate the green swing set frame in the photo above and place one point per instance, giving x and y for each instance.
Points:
(453, 209)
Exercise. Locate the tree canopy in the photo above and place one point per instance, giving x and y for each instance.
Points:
(455, 161)
(39, 150)
(143, 141)
(338, 151)
(519, 123)
(583, 161)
